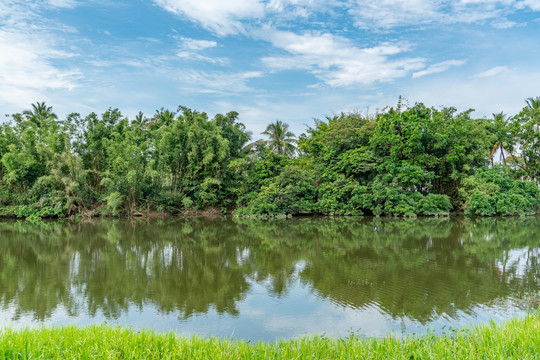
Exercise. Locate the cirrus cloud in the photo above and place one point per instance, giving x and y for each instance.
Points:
(439, 67)
(230, 17)
(221, 17)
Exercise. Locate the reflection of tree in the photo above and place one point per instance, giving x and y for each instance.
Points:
(115, 264)
(416, 268)
(442, 286)
(26, 277)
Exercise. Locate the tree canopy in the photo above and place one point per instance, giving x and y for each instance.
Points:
(403, 161)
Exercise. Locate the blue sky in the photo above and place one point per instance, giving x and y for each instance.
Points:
(292, 60)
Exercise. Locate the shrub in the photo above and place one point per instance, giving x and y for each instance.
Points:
(480, 204)
(435, 204)
(494, 192)
(291, 192)
(113, 204)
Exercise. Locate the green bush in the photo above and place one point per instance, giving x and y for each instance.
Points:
(493, 191)
(512, 204)
(291, 192)
(435, 204)
(480, 204)
(113, 204)
(341, 197)
(187, 203)
(6, 196)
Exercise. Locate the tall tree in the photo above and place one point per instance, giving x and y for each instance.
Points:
(526, 128)
(40, 114)
(140, 120)
(162, 117)
(533, 104)
(281, 140)
(503, 139)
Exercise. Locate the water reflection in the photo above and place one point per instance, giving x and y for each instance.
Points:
(188, 271)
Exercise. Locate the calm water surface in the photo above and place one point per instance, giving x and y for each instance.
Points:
(263, 280)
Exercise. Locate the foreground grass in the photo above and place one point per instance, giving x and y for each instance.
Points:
(515, 339)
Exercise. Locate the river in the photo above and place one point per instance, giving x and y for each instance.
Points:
(270, 279)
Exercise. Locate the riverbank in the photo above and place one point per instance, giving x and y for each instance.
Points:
(13, 212)
(18, 212)
(515, 339)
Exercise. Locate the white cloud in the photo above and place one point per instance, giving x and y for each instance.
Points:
(488, 3)
(189, 55)
(337, 61)
(230, 17)
(218, 82)
(392, 13)
(26, 70)
(438, 68)
(531, 4)
(190, 50)
(503, 23)
(63, 3)
(389, 13)
(29, 51)
(194, 44)
(287, 10)
(497, 70)
(281, 5)
(219, 16)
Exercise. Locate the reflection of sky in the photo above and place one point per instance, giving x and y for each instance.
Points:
(264, 316)
(517, 260)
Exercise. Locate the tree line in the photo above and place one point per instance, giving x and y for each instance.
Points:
(403, 161)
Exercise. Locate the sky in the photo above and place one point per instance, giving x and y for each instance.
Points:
(289, 60)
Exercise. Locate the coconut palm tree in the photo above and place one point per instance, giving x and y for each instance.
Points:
(533, 103)
(280, 139)
(534, 106)
(161, 117)
(141, 120)
(40, 114)
(503, 137)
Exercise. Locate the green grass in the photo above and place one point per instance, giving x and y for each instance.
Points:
(515, 339)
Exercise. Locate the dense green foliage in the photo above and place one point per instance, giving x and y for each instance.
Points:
(407, 162)
(515, 339)
(171, 161)
(404, 161)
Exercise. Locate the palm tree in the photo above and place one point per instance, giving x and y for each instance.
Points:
(165, 117)
(534, 106)
(533, 103)
(503, 138)
(141, 120)
(162, 117)
(40, 114)
(280, 139)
